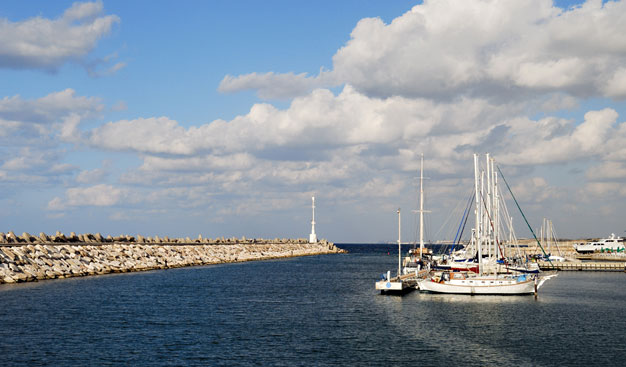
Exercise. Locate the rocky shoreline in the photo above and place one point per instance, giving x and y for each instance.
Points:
(28, 258)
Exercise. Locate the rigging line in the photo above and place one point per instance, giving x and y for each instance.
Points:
(467, 217)
(448, 228)
(524, 216)
(492, 227)
(463, 222)
(512, 235)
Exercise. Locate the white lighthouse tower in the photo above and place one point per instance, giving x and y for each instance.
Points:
(313, 236)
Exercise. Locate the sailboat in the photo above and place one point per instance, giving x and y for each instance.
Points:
(401, 283)
(415, 262)
(486, 241)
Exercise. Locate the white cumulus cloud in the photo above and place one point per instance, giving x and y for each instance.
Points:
(98, 195)
(443, 48)
(40, 43)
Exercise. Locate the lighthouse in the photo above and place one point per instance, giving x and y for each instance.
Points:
(313, 236)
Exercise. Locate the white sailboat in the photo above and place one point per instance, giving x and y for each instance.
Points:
(401, 283)
(485, 239)
(415, 262)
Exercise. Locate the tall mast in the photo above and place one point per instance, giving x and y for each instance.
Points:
(478, 213)
(549, 235)
(496, 205)
(399, 246)
(488, 205)
(422, 206)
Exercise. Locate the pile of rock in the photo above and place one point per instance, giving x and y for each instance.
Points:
(33, 259)
(89, 238)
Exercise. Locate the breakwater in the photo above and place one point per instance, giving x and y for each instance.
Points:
(30, 258)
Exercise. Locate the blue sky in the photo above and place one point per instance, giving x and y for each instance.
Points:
(222, 118)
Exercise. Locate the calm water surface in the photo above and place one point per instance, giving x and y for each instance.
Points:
(310, 311)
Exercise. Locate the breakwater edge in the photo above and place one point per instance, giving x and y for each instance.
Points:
(29, 258)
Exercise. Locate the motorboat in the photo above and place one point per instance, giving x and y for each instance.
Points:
(610, 244)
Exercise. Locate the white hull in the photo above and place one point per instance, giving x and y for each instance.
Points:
(493, 285)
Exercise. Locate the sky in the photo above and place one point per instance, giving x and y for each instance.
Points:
(224, 118)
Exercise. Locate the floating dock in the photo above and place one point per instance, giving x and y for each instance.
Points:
(401, 284)
(583, 266)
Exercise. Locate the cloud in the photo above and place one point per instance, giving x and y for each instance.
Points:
(485, 47)
(553, 141)
(102, 66)
(91, 176)
(273, 86)
(98, 195)
(616, 85)
(48, 109)
(39, 43)
(604, 189)
(317, 121)
(33, 133)
(609, 170)
(147, 135)
(445, 48)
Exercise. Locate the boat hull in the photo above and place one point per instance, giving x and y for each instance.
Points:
(480, 286)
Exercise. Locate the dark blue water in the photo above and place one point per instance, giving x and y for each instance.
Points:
(309, 311)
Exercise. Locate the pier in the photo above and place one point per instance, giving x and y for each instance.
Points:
(583, 266)
(27, 258)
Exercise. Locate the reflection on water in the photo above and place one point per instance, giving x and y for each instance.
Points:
(476, 298)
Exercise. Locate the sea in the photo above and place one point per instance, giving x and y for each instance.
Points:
(307, 311)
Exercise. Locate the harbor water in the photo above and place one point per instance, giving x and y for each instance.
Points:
(308, 311)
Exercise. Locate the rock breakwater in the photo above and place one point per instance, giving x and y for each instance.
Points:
(28, 258)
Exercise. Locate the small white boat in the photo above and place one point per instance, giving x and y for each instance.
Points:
(613, 244)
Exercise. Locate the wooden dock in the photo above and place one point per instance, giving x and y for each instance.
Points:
(583, 266)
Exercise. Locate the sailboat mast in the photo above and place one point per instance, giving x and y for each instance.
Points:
(549, 235)
(488, 205)
(399, 246)
(496, 205)
(422, 206)
(478, 213)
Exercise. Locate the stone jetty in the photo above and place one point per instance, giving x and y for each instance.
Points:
(28, 258)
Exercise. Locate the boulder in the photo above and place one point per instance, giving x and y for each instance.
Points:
(11, 237)
(8, 253)
(44, 237)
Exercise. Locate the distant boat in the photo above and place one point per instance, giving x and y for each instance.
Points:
(613, 244)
